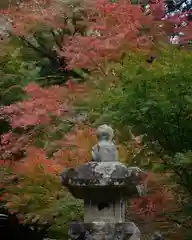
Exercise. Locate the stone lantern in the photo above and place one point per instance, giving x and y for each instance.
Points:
(104, 184)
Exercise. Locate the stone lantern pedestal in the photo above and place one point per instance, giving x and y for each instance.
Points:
(103, 186)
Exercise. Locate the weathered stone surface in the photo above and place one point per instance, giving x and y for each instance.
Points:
(103, 231)
(101, 174)
(105, 150)
(103, 177)
(5, 27)
(157, 236)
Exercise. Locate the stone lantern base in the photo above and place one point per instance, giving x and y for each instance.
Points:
(103, 231)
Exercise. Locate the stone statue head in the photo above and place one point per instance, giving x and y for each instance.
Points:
(105, 132)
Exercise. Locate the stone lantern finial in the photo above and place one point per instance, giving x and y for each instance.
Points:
(105, 132)
(105, 150)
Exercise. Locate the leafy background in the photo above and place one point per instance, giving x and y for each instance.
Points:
(54, 95)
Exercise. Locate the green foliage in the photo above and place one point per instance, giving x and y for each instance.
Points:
(154, 100)
(5, 173)
(45, 41)
(46, 139)
(38, 196)
(66, 210)
(33, 55)
(15, 74)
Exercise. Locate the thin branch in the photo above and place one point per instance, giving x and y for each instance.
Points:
(56, 40)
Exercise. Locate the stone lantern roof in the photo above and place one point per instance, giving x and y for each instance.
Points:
(109, 179)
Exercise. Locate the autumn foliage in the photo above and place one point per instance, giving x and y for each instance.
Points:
(25, 18)
(158, 200)
(41, 105)
(31, 184)
(37, 176)
(76, 147)
(35, 110)
(112, 29)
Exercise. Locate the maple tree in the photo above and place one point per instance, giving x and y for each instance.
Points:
(101, 32)
(33, 23)
(39, 109)
(118, 27)
(104, 32)
(37, 176)
(35, 110)
(157, 201)
(114, 28)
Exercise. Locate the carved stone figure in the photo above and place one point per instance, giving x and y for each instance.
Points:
(105, 150)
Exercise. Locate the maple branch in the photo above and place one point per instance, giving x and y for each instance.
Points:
(180, 222)
(41, 43)
(9, 180)
(51, 57)
(3, 92)
(99, 67)
(138, 153)
(56, 40)
(3, 63)
(29, 44)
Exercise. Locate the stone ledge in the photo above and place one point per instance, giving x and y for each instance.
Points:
(108, 179)
(101, 174)
(103, 230)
